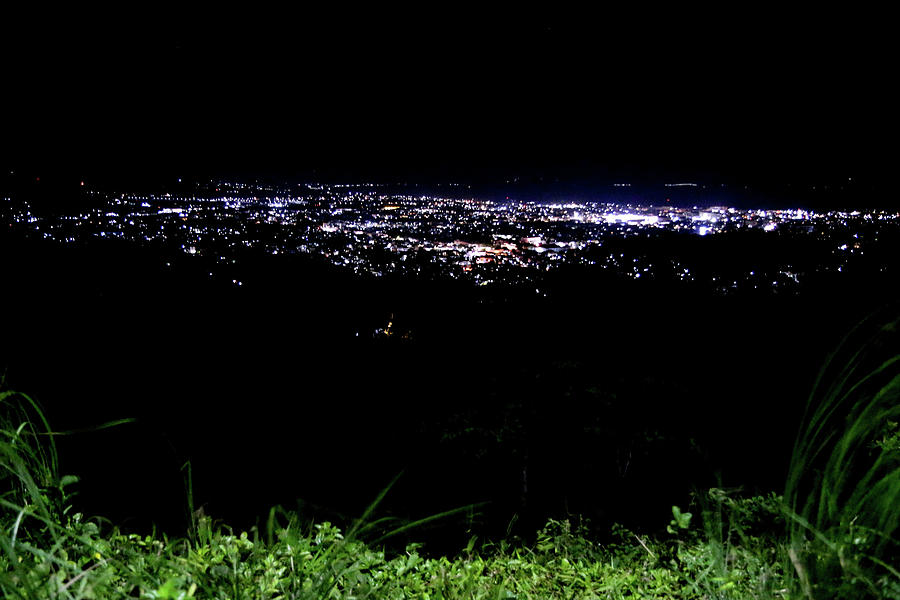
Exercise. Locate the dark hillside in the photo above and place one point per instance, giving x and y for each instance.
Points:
(606, 398)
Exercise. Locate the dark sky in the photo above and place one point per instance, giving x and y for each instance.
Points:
(450, 93)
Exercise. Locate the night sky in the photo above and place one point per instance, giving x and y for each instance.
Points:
(140, 97)
(449, 94)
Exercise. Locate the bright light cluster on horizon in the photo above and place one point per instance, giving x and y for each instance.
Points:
(486, 241)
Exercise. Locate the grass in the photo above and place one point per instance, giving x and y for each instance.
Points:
(831, 535)
(843, 488)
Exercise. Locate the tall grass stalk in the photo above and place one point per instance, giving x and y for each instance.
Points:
(36, 531)
(28, 459)
(843, 486)
(28, 475)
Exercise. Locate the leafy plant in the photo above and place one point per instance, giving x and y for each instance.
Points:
(681, 520)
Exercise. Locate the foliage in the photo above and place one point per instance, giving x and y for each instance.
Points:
(50, 553)
(832, 535)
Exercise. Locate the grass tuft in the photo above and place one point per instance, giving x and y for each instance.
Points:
(843, 487)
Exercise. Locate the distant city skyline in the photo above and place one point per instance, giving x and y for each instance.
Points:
(376, 231)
